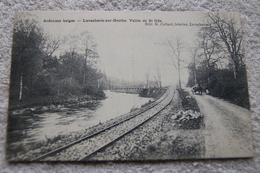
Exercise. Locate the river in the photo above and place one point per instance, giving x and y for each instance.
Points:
(38, 127)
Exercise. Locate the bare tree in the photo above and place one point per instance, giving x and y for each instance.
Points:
(177, 48)
(211, 50)
(194, 64)
(84, 44)
(159, 77)
(88, 46)
(51, 45)
(228, 31)
(147, 78)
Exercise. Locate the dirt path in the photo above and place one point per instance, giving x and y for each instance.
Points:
(227, 128)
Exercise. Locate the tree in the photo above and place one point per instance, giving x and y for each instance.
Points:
(38, 76)
(84, 44)
(222, 65)
(90, 56)
(176, 47)
(159, 78)
(193, 65)
(51, 45)
(210, 48)
(231, 35)
(89, 48)
(147, 79)
(27, 53)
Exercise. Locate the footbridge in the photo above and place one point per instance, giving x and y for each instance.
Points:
(127, 89)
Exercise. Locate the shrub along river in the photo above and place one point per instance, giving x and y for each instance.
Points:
(30, 128)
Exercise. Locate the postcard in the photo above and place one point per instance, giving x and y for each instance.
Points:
(128, 86)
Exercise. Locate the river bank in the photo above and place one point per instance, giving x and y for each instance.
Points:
(31, 132)
(51, 102)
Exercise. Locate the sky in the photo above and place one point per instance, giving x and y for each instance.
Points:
(130, 50)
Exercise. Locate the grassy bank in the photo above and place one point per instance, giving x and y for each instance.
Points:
(49, 101)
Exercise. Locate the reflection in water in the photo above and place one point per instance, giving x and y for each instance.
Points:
(40, 126)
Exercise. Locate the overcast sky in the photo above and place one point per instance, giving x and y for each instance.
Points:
(129, 50)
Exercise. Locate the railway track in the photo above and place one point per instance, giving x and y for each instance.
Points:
(82, 149)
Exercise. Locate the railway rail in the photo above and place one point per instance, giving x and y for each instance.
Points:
(82, 149)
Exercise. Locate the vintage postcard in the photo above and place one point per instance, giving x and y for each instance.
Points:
(116, 86)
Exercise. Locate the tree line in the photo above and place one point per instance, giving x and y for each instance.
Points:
(38, 76)
(218, 62)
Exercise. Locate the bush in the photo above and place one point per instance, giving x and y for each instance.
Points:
(223, 85)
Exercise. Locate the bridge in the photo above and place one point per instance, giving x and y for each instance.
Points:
(127, 89)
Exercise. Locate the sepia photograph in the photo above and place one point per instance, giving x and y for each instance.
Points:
(128, 86)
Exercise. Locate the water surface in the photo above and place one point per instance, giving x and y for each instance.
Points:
(38, 127)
